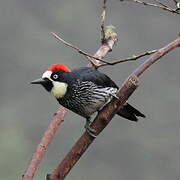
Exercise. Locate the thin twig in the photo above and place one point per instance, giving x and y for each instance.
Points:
(103, 62)
(133, 58)
(175, 1)
(156, 56)
(177, 4)
(88, 56)
(157, 6)
(161, 3)
(103, 17)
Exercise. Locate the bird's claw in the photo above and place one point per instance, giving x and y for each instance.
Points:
(90, 131)
(92, 134)
(115, 96)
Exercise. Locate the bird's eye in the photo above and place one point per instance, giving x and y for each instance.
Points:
(55, 76)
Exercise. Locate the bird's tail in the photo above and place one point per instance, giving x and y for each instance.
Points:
(130, 113)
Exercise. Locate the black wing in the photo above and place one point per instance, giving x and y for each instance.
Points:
(93, 75)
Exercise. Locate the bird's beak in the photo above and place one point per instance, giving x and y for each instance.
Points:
(39, 81)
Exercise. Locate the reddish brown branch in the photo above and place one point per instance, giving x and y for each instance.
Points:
(100, 122)
(42, 147)
(107, 113)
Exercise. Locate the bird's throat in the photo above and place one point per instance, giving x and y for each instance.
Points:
(59, 89)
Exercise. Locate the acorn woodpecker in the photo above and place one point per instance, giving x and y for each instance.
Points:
(84, 91)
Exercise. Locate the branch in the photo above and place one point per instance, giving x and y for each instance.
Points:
(97, 60)
(107, 113)
(88, 56)
(100, 122)
(133, 58)
(175, 1)
(156, 56)
(103, 16)
(160, 5)
(42, 147)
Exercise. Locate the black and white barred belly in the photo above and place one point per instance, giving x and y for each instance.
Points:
(85, 98)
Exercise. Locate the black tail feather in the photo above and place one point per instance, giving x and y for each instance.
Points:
(130, 113)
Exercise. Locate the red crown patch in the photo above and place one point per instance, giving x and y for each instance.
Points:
(60, 67)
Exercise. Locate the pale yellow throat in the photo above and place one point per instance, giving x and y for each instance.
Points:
(59, 89)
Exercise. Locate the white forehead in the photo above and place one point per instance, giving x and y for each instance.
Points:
(47, 74)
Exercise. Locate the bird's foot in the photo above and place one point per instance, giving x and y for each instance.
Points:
(115, 96)
(90, 130)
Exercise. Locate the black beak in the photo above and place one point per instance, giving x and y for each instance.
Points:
(45, 82)
(39, 81)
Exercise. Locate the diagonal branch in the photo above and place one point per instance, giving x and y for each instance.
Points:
(107, 113)
(175, 1)
(42, 146)
(161, 3)
(100, 122)
(88, 56)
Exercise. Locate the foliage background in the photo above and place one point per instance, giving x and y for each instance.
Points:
(145, 150)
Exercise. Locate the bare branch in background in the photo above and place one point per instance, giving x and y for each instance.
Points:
(175, 1)
(161, 6)
(103, 16)
(159, 2)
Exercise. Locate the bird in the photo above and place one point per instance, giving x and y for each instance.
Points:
(84, 91)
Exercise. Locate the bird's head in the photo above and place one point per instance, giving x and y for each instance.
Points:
(52, 80)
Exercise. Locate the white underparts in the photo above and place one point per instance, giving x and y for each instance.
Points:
(59, 88)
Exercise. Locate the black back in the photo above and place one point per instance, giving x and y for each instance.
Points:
(93, 75)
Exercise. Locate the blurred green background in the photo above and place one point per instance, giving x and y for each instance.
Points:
(146, 150)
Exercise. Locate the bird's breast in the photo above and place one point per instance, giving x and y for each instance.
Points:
(85, 98)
